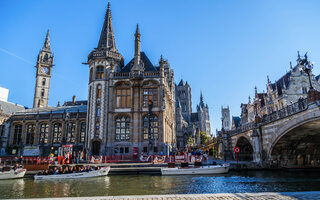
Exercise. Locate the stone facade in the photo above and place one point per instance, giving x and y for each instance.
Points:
(225, 118)
(131, 107)
(188, 124)
(7, 109)
(48, 128)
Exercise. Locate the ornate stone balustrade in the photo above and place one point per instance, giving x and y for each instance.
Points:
(127, 75)
(280, 114)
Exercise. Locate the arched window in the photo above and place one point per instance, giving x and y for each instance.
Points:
(43, 81)
(57, 133)
(99, 73)
(99, 91)
(45, 59)
(97, 131)
(42, 92)
(31, 129)
(154, 127)
(17, 134)
(98, 109)
(123, 128)
(71, 132)
(82, 132)
(44, 133)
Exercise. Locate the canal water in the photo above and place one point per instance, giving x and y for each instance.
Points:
(113, 185)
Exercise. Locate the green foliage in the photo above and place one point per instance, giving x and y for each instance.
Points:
(204, 138)
(191, 141)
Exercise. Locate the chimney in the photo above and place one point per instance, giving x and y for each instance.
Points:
(74, 99)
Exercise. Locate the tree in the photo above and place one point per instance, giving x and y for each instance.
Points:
(190, 141)
(204, 138)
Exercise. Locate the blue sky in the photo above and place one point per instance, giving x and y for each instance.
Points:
(224, 48)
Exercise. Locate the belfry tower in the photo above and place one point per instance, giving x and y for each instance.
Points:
(43, 76)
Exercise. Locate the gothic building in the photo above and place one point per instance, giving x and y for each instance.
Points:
(225, 118)
(130, 107)
(190, 124)
(279, 94)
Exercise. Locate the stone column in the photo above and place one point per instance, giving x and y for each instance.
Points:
(256, 146)
(37, 134)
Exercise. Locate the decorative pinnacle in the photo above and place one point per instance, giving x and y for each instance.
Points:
(161, 60)
(108, 5)
(46, 44)
(299, 58)
(137, 30)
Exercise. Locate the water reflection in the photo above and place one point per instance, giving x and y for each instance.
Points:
(254, 181)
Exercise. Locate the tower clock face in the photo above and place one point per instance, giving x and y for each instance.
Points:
(45, 70)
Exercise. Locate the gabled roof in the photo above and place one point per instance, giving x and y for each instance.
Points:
(47, 110)
(148, 66)
(181, 83)
(8, 108)
(236, 121)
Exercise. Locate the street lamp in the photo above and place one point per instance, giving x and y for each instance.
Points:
(149, 123)
(307, 67)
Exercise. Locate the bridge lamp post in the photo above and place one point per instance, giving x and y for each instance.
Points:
(307, 67)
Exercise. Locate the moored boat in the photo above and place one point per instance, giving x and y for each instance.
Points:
(12, 173)
(95, 173)
(212, 169)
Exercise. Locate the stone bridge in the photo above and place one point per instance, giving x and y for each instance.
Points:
(288, 137)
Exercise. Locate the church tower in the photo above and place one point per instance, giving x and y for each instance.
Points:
(43, 76)
(102, 61)
(225, 118)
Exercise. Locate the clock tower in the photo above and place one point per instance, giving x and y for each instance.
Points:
(43, 76)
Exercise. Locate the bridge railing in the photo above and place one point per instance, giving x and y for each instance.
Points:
(285, 112)
(292, 109)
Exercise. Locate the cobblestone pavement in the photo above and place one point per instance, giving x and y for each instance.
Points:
(220, 196)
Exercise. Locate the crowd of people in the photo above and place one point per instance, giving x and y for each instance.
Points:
(68, 170)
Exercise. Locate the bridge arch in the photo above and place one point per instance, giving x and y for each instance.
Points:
(246, 149)
(297, 141)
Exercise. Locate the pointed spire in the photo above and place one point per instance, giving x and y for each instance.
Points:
(268, 80)
(46, 45)
(249, 99)
(201, 100)
(181, 83)
(137, 45)
(299, 57)
(107, 40)
(255, 90)
(290, 65)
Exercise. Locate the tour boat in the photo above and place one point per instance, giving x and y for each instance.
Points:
(212, 169)
(95, 173)
(12, 174)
